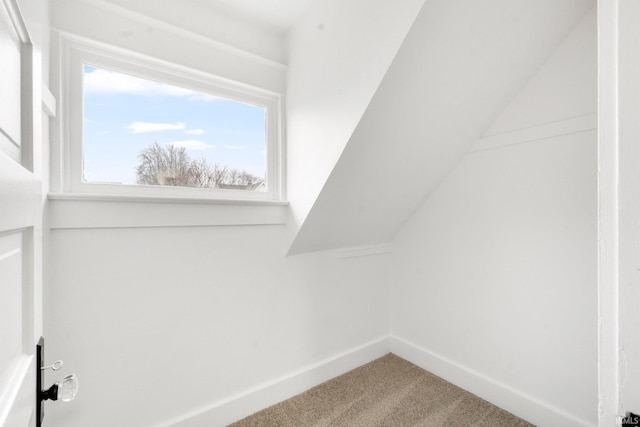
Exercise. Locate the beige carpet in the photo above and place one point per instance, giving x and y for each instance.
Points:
(386, 392)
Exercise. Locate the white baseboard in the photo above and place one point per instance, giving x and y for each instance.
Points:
(235, 408)
(527, 407)
(240, 406)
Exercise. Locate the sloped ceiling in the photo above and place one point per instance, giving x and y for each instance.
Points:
(460, 65)
(272, 15)
(569, 77)
(278, 15)
(254, 26)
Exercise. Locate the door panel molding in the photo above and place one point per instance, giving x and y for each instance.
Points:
(21, 206)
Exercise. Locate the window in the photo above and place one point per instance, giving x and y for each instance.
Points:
(140, 126)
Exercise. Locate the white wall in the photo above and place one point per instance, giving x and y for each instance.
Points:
(160, 322)
(494, 278)
(181, 319)
(165, 322)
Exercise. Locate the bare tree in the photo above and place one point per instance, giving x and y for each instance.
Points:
(233, 177)
(199, 174)
(220, 174)
(246, 178)
(163, 166)
(172, 165)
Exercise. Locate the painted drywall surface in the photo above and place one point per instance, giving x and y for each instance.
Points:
(608, 211)
(569, 77)
(497, 269)
(159, 322)
(212, 21)
(151, 36)
(338, 54)
(458, 68)
(627, 290)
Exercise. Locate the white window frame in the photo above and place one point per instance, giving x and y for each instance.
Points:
(76, 52)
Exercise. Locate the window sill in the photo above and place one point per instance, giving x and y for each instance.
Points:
(88, 197)
(78, 211)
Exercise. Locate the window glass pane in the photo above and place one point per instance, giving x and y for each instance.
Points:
(138, 131)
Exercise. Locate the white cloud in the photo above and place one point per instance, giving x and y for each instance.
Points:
(144, 127)
(234, 147)
(194, 131)
(199, 96)
(110, 82)
(191, 144)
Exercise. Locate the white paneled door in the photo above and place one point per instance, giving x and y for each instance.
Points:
(20, 213)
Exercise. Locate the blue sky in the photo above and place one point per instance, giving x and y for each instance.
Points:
(124, 114)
